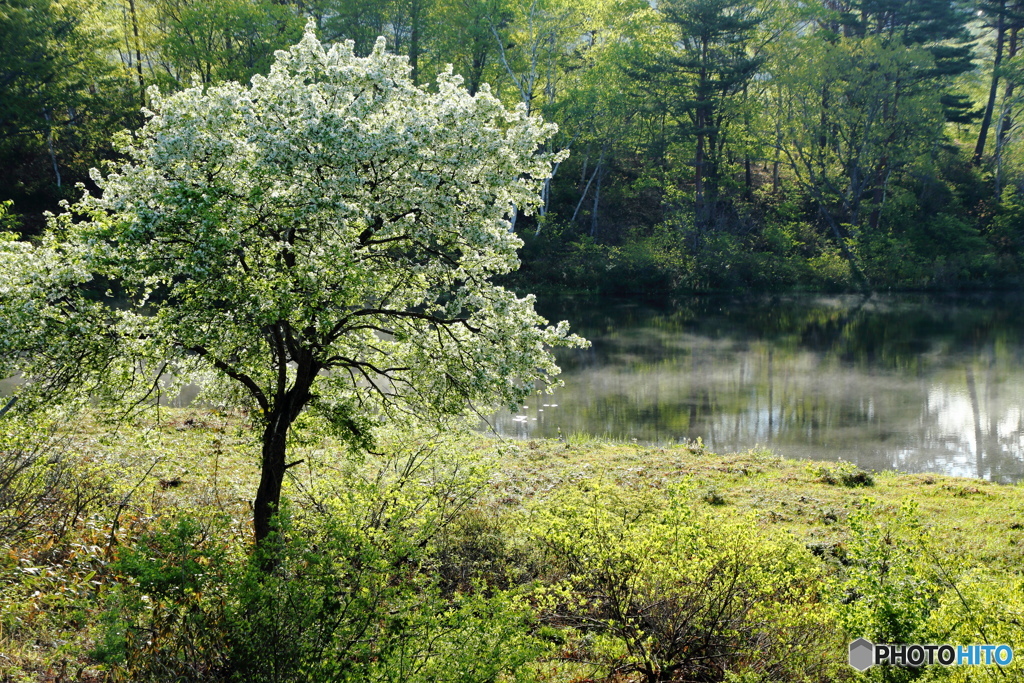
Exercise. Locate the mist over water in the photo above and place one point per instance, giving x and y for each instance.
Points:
(916, 383)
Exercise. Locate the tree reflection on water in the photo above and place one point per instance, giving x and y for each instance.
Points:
(911, 382)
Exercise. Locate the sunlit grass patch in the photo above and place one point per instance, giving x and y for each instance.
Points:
(467, 504)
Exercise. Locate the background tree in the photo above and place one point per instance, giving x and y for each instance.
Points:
(219, 40)
(59, 96)
(321, 240)
(856, 115)
(680, 113)
(710, 63)
(464, 37)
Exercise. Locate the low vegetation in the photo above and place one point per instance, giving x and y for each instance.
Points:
(127, 556)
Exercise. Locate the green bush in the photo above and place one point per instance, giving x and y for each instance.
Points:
(366, 582)
(841, 474)
(337, 604)
(668, 590)
(890, 589)
(977, 607)
(357, 609)
(901, 588)
(167, 616)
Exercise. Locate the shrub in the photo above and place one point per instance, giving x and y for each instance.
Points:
(667, 591)
(890, 589)
(977, 607)
(901, 588)
(347, 590)
(45, 487)
(167, 618)
(841, 474)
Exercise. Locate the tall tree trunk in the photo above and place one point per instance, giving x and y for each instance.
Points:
(699, 161)
(700, 154)
(748, 176)
(1005, 118)
(748, 179)
(776, 162)
(138, 53)
(986, 121)
(878, 193)
(415, 10)
(49, 145)
(597, 170)
(476, 71)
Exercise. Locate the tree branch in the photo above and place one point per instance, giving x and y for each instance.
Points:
(248, 382)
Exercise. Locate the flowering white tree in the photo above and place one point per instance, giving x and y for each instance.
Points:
(320, 240)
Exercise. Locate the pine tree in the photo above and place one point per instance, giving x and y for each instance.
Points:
(710, 64)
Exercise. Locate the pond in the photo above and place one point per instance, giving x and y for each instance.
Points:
(916, 383)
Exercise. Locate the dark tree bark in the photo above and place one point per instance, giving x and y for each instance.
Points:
(1006, 116)
(286, 407)
(986, 121)
(138, 53)
(415, 12)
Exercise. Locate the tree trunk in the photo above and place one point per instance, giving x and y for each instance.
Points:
(138, 53)
(49, 145)
(698, 168)
(586, 189)
(476, 72)
(700, 154)
(778, 149)
(287, 406)
(858, 274)
(986, 121)
(1005, 118)
(414, 39)
(748, 177)
(272, 468)
(878, 193)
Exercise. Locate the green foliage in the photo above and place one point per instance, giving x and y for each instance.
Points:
(858, 113)
(341, 603)
(374, 578)
(901, 587)
(175, 557)
(60, 100)
(841, 474)
(1006, 231)
(977, 606)
(166, 618)
(221, 40)
(8, 219)
(663, 589)
(891, 590)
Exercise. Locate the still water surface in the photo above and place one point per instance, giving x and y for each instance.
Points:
(915, 383)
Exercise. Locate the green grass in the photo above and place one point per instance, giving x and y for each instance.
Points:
(980, 519)
(52, 591)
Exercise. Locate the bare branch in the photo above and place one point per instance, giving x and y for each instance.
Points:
(248, 382)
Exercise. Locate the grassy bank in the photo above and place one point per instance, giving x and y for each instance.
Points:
(460, 557)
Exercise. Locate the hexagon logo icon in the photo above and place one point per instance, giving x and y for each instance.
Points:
(862, 654)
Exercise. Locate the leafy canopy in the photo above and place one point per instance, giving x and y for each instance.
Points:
(323, 238)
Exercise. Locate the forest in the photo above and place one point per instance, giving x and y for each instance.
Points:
(714, 144)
